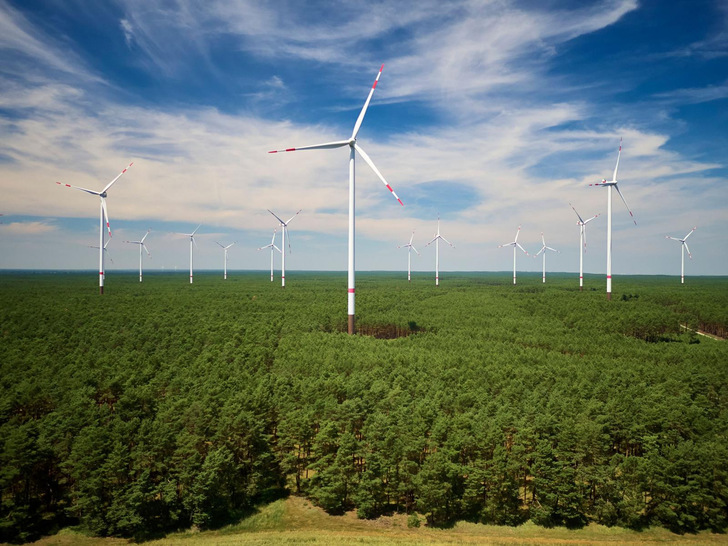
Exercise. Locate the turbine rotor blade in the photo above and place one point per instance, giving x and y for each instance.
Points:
(117, 177)
(359, 120)
(325, 145)
(292, 217)
(106, 215)
(614, 176)
(147, 250)
(448, 242)
(689, 234)
(688, 249)
(577, 214)
(369, 162)
(625, 204)
(277, 218)
(92, 192)
(524, 250)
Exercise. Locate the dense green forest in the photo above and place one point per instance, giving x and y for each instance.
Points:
(165, 405)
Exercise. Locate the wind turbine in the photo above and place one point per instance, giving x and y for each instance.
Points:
(272, 247)
(105, 251)
(684, 246)
(609, 184)
(141, 246)
(436, 240)
(353, 147)
(582, 244)
(514, 244)
(409, 248)
(225, 248)
(284, 225)
(543, 250)
(103, 214)
(192, 241)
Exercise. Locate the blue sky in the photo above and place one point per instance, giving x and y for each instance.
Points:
(490, 113)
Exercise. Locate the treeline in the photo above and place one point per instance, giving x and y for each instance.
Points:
(162, 406)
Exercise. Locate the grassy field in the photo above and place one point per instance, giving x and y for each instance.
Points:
(297, 521)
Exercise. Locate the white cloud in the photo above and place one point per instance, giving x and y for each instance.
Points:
(27, 228)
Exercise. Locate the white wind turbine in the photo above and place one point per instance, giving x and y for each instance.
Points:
(272, 247)
(103, 214)
(514, 244)
(543, 250)
(284, 226)
(436, 240)
(105, 251)
(192, 241)
(582, 244)
(684, 246)
(609, 184)
(225, 248)
(353, 147)
(141, 246)
(409, 248)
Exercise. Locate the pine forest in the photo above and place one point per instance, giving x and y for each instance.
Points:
(164, 406)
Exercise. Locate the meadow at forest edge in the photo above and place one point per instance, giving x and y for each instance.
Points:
(164, 405)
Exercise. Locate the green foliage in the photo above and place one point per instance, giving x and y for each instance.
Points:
(164, 405)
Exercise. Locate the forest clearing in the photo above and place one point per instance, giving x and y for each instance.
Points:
(236, 406)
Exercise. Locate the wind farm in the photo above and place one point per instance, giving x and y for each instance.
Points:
(506, 403)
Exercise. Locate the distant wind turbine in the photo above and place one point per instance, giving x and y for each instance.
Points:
(192, 241)
(684, 246)
(353, 147)
(409, 248)
(582, 244)
(284, 228)
(609, 184)
(272, 247)
(436, 240)
(514, 244)
(225, 248)
(543, 250)
(141, 246)
(106, 250)
(103, 214)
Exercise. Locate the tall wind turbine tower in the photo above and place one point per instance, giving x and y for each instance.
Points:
(582, 244)
(436, 240)
(609, 184)
(272, 247)
(543, 250)
(225, 249)
(353, 148)
(103, 214)
(192, 242)
(141, 246)
(684, 246)
(409, 248)
(514, 244)
(284, 228)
